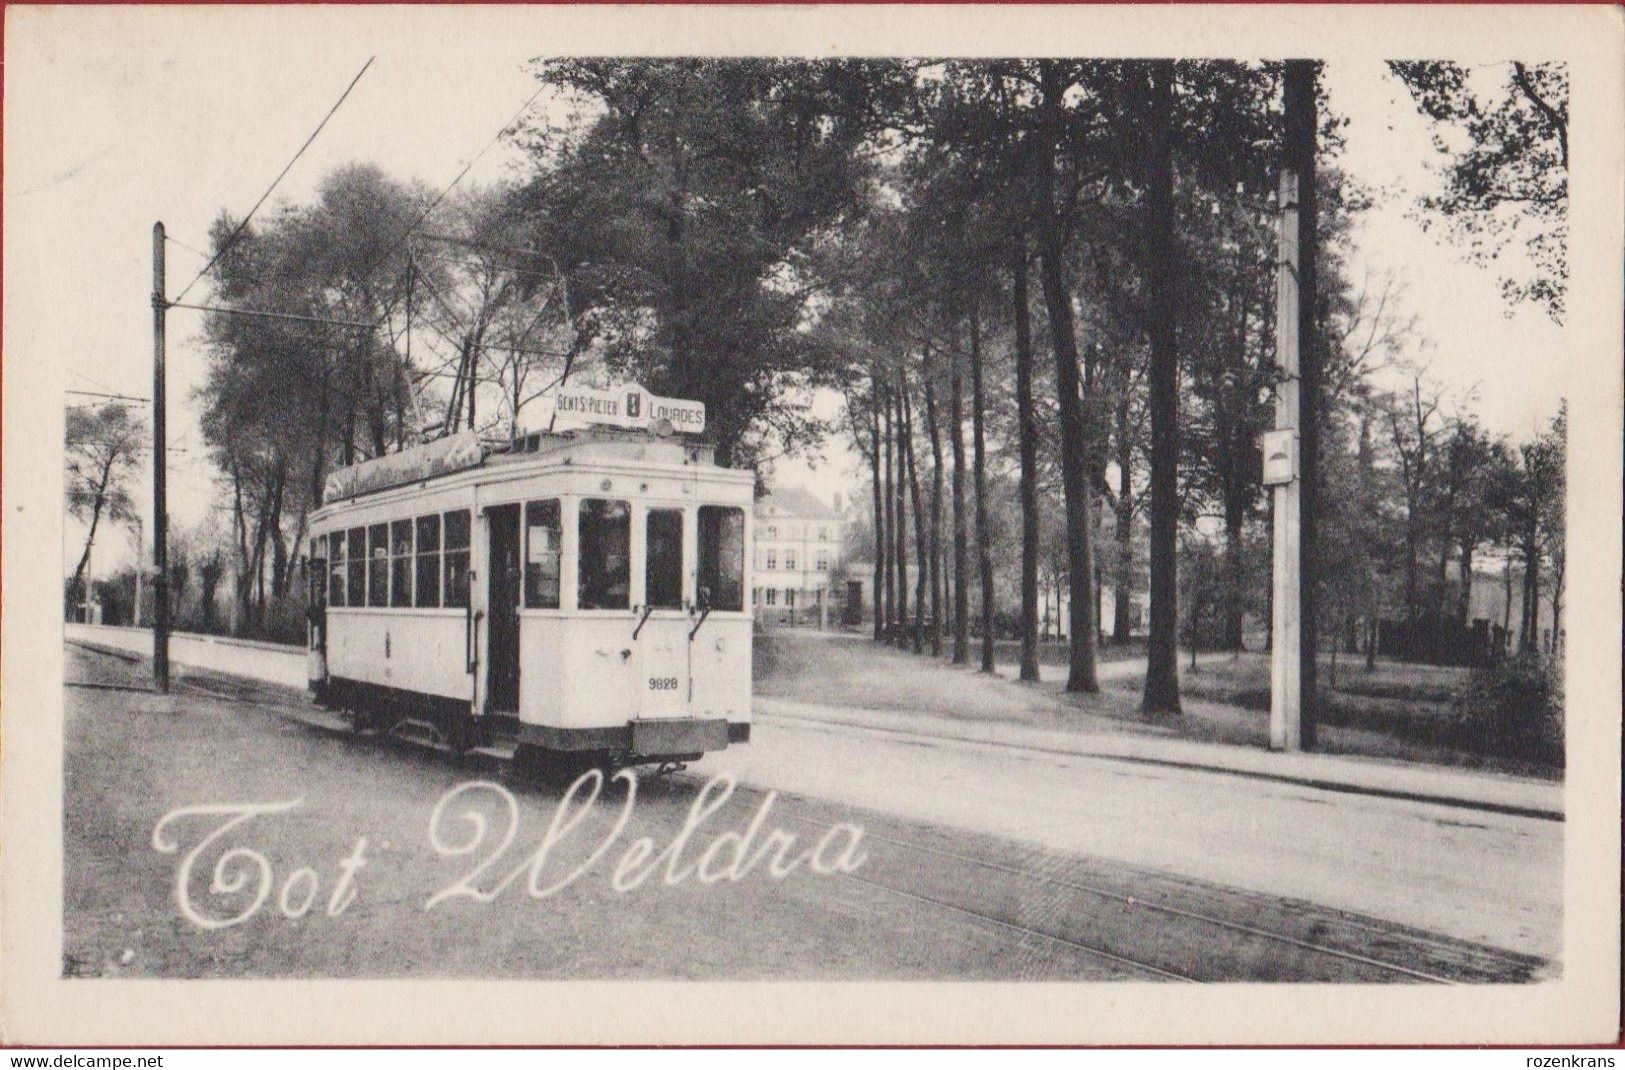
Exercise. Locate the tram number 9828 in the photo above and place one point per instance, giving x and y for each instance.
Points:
(662, 683)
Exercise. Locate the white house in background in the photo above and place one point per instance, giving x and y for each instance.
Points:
(797, 555)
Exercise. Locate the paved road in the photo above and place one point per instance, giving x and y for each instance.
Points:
(915, 898)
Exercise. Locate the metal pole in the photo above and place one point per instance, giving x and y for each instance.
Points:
(1286, 681)
(140, 566)
(160, 464)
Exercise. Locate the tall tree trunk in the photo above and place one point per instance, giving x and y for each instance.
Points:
(1363, 458)
(984, 548)
(280, 573)
(1530, 637)
(1162, 668)
(1559, 565)
(956, 438)
(1234, 578)
(241, 581)
(1235, 481)
(885, 543)
(1076, 462)
(1123, 590)
(900, 534)
(1028, 435)
(921, 549)
(1464, 580)
(95, 520)
(878, 607)
(1506, 601)
(936, 517)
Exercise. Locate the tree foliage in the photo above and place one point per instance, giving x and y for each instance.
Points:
(1506, 171)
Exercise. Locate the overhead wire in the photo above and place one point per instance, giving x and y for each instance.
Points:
(389, 251)
(108, 397)
(243, 225)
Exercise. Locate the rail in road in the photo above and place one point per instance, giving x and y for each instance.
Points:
(1058, 913)
(285, 666)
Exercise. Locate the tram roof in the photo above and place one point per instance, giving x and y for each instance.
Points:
(459, 454)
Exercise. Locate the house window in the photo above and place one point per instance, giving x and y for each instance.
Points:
(823, 561)
(790, 560)
(772, 560)
(543, 533)
(400, 563)
(790, 597)
(455, 529)
(722, 556)
(663, 558)
(772, 596)
(604, 534)
(428, 561)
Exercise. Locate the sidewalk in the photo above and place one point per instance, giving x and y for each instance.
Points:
(1101, 738)
(1519, 796)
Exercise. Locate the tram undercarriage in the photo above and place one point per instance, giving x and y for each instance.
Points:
(447, 725)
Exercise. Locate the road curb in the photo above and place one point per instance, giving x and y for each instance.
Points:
(1348, 787)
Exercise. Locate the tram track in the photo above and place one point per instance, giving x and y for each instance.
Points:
(1139, 931)
(1147, 925)
(1154, 907)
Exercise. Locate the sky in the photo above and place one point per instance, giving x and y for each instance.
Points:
(114, 138)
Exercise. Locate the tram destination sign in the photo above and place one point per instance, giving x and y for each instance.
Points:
(631, 407)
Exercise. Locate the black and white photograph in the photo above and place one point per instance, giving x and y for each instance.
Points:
(677, 525)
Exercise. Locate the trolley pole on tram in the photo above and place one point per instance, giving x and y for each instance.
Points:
(160, 464)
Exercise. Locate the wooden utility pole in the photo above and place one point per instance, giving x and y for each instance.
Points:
(1292, 624)
(140, 565)
(1286, 686)
(160, 464)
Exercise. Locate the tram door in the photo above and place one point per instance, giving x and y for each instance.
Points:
(662, 646)
(316, 648)
(502, 609)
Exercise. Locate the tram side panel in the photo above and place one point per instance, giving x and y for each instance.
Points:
(721, 672)
(422, 651)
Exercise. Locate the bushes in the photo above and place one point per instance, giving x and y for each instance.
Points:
(1514, 709)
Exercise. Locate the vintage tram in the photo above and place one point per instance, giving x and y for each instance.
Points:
(577, 598)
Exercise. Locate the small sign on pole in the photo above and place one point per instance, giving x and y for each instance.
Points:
(1280, 457)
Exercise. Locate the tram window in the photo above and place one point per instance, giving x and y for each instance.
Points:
(400, 563)
(356, 559)
(428, 561)
(318, 571)
(335, 570)
(542, 541)
(663, 558)
(456, 559)
(378, 565)
(722, 557)
(604, 530)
